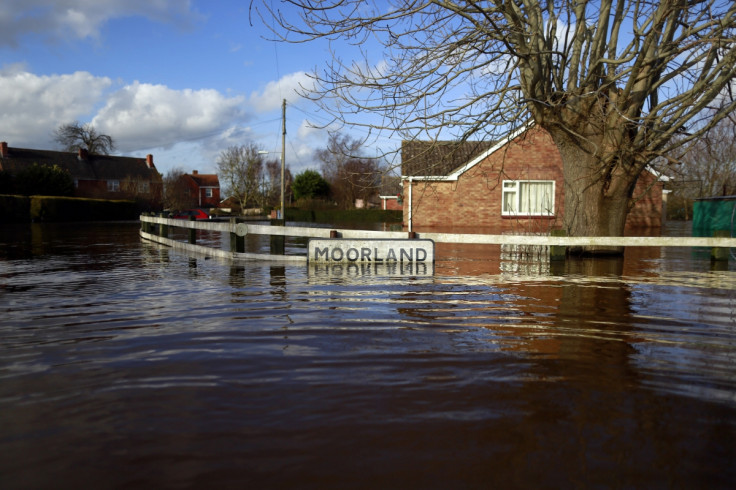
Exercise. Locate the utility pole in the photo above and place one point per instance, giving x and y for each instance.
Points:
(283, 158)
(278, 241)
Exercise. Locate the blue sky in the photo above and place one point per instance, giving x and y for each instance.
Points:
(180, 79)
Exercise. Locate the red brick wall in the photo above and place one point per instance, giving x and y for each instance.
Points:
(391, 204)
(210, 202)
(648, 210)
(199, 196)
(473, 202)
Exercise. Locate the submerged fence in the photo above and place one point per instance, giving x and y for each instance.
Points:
(156, 229)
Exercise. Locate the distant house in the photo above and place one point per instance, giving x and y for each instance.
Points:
(390, 193)
(391, 203)
(513, 184)
(204, 189)
(94, 176)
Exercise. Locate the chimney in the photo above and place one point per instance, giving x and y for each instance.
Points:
(195, 172)
(4, 150)
(82, 155)
(149, 161)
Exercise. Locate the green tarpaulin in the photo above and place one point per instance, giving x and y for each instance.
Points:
(712, 214)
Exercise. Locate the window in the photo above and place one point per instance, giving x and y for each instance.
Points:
(528, 198)
(143, 187)
(113, 186)
(208, 192)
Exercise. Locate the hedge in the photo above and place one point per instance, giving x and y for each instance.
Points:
(20, 209)
(15, 209)
(344, 216)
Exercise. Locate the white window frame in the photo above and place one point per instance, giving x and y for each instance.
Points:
(113, 186)
(511, 192)
(208, 192)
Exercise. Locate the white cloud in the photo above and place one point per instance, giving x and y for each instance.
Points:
(35, 106)
(307, 130)
(142, 115)
(60, 19)
(180, 127)
(288, 87)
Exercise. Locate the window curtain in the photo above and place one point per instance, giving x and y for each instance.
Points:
(535, 198)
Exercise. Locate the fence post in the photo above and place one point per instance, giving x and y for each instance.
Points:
(192, 232)
(720, 253)
(237, 243)
(278, 241)
(163, 229)
(557, 252)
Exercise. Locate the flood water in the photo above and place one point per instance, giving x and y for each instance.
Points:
(124, 364)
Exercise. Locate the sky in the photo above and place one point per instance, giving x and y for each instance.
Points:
(182, 80)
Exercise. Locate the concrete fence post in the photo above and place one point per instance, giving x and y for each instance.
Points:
(164, 229)
(192, 232)
(237, 243)
(558, 252)
(278, 242)
(720, 253)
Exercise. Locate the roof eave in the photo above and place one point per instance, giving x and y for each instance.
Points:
(452, 177)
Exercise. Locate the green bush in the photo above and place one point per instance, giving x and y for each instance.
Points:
(44, 208)
(7, 184)
(15, 209)
(309, 185)
(344, 216)
(44, 180)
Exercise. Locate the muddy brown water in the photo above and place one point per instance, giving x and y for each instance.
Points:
(124, 364)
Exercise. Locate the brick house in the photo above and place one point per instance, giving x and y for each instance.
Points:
(512, 185)
(94, 176)
(390, 193)
(390, 203)
(204, 189)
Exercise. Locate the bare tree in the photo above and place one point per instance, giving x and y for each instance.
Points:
(272, 191)
(76, 135)
(708, 169)
(240, 169)
(711, 161)
(177, 194)
(351, 176)
(612, 81)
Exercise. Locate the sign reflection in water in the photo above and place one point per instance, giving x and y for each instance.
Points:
(127, 364)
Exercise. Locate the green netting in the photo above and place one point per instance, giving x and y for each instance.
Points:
(714, 214)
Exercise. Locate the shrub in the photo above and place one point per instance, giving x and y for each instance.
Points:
(7, 185)
(309, 185)
(15, 209)
(77, 209)
(44, 180)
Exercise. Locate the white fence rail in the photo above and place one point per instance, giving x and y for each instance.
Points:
(242, 229)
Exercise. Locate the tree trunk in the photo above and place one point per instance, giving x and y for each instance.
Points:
(598, 193)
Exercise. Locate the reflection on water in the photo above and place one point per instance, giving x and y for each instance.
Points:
(364, 270)
(125, 364)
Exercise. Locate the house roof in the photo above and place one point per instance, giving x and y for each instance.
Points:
(82, 166)
(428, 160)
(438, 158)
(205, 180)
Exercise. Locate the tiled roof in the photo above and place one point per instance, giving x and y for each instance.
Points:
(93, 167)
(438, 158)
(205, 180)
